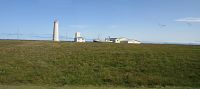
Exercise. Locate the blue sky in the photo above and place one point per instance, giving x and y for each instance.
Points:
(145, 20)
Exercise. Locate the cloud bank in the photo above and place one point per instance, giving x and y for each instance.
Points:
(189, 20)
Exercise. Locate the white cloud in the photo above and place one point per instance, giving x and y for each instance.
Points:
(189, 20)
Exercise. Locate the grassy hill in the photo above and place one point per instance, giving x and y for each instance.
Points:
(98, 64)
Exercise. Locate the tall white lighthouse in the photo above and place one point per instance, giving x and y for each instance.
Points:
(55, 31)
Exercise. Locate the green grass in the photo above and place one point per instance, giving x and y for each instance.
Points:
(87, 87)
(98, 64)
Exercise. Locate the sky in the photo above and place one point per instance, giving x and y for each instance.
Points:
(144, 20)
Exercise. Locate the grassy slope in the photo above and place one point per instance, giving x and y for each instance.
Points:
(45, 63)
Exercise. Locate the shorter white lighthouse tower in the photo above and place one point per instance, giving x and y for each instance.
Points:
(55, 31)
(77, 34)
(78, 37)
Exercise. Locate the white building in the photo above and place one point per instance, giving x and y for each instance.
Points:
(78, 37)
(55, 31)
(122, 40)
(131, 41)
